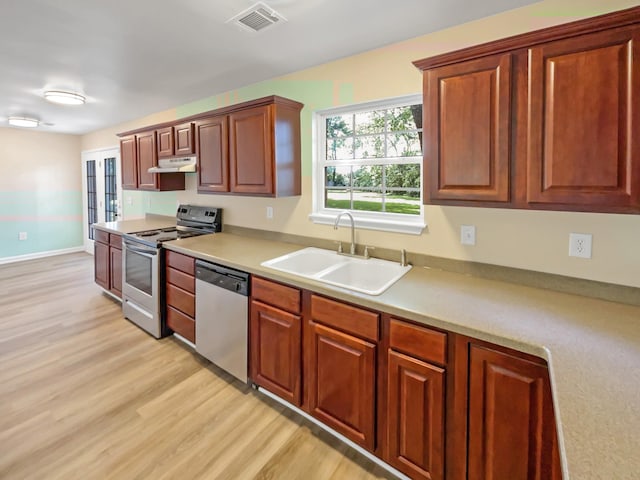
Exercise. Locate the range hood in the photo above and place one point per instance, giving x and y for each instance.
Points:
(172, 165)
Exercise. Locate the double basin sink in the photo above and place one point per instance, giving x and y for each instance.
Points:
(371, 276)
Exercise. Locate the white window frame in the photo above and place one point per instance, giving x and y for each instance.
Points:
(384, 221)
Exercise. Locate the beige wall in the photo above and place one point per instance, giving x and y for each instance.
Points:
(40, 192)
(531, 240)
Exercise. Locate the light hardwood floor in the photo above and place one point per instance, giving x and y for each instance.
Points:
(85, 394)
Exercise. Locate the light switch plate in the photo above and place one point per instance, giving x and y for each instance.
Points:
(468, 234)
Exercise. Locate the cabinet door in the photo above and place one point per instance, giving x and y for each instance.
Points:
(415, 416)
(101, 264)
(147, 158)
(276, 343)
(511, 423)
(342, 386)
(583, 146)
(128, 159)
(184, 136)
(115, 264)
(467, 123)
(213, 156)
(165, 142)
(251, 151)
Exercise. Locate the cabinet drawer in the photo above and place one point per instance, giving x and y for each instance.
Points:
(115, 240)
(182, 300)
(181, 262)
(423, 343)
(348, 318)
(100, 236)
(180, 279)
(181, 324)
(287, 298)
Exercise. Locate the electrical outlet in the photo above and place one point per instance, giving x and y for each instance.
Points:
(580, 245)
(269, 213)
(22, 236)
(468, 235)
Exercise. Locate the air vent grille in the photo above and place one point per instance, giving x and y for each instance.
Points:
(256, 18)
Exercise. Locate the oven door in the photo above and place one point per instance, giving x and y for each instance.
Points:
(140, 286)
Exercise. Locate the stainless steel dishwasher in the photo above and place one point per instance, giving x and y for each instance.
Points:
(222, 307)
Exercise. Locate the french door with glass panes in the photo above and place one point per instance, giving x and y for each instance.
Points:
(102, 190)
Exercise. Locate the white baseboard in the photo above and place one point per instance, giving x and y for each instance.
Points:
(33, 256)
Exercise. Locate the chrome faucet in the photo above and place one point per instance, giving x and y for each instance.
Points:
(352, 249)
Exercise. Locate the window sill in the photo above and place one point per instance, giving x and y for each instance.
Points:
(409, 227)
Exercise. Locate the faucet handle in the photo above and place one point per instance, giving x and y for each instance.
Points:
(403, 258)
(339, 246)
(366, 251)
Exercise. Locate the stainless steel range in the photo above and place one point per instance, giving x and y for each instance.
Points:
(143, 269)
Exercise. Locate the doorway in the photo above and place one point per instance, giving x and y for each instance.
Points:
(101, 190)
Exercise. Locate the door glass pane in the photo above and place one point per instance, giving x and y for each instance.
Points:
(92, 196)
(110, 190)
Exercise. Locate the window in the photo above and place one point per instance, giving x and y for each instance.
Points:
(369, 161)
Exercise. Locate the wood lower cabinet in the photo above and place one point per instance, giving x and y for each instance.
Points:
(342, 368)
(433, 404)
(275, 335)
(108, 261)
(180, 294)
(416, 400)
(511, 422)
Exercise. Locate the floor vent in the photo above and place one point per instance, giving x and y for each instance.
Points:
(257, 18)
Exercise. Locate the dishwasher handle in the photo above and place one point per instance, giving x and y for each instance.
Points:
(223, 277)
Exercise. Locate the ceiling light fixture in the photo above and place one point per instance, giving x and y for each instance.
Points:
(23, 122)
(65, 98)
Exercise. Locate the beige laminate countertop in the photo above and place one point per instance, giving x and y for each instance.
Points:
(592, 346)
(150, 222)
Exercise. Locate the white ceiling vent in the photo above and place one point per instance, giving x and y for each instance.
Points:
(257, 18)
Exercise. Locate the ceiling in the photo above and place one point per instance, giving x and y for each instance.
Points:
(134, 58)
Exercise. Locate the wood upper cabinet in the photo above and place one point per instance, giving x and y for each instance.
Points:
(584, 118)
(544, 120)
(251, 151)
(467, 123)
(264, 149)
(176, 140)
(129, 162)
(342, 369)
(147, 158)
(213, 154)
(165, 142)
(511, 422)
(184, 143)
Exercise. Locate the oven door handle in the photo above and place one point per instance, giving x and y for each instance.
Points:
(141, 251)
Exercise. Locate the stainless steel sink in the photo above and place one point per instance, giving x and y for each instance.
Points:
(371, 276)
